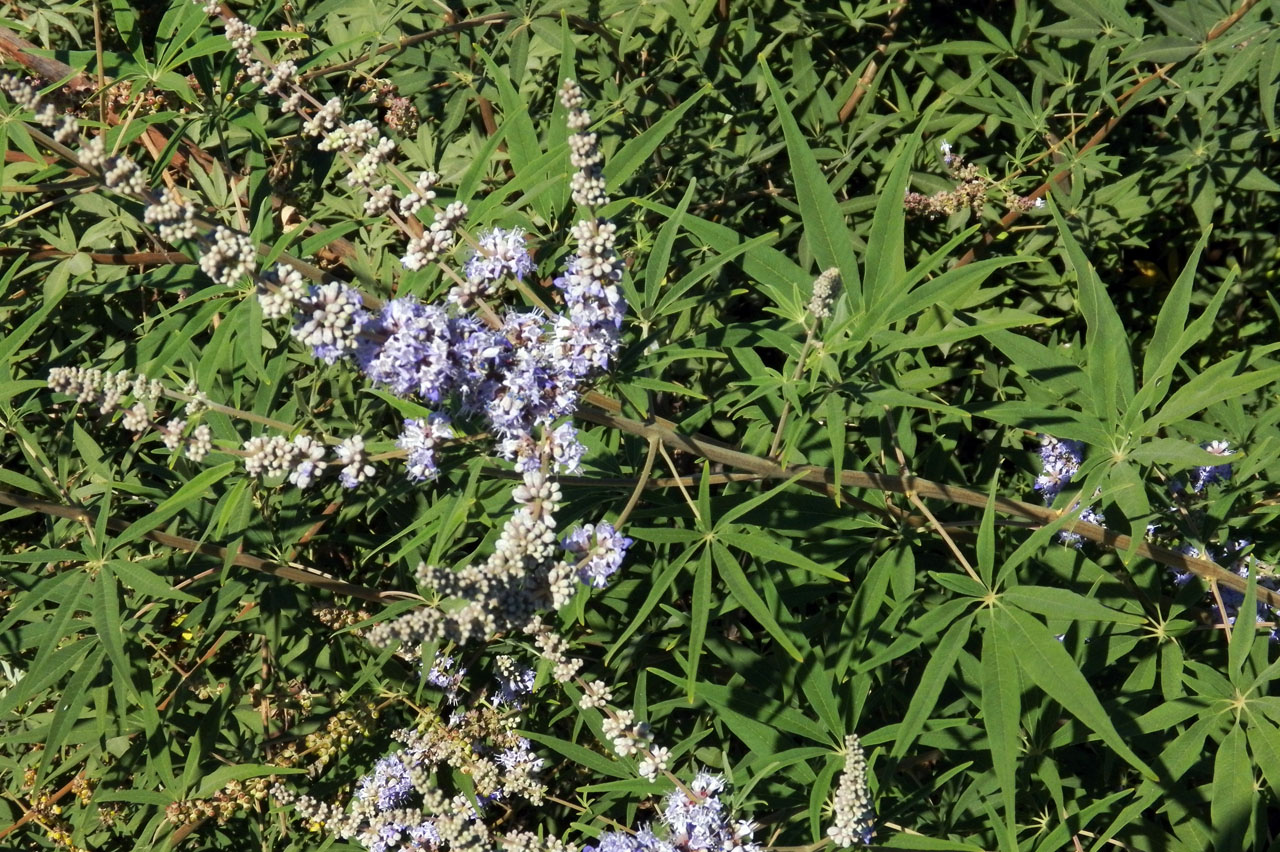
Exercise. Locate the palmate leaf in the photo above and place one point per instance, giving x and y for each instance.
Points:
(1048, 665)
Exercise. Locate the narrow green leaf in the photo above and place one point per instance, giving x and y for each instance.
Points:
(824, 227)
(1172, 320)
(1001, 714)
(777, 275)
(90, 452)
(655, 270)
(189, 493)
(699, 615)
(1110, 366)
(902, 840)
(816, 682)
(66, 711)
(522, 136)
(761, 545)
(1243, 637)
(61, 618)
(1264, 742)
(942, 661)
(740, 587)
(1051, 668)
(922, 629)
(110, 629)
(987, 537)
(583, 756)
(11, 340)
(833, 409)
(146, 581)
(659, 588)
(218, 778)
(759, 705)
(1063, 603)
(883, 260)
(37, 679)
(1231, 800)
(1210, 387)
(622, 165)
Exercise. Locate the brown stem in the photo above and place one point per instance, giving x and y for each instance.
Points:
(606, 414)
(109, 258)
(864, 82)
(305, 576)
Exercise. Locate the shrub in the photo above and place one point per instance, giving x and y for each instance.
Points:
(639, 428)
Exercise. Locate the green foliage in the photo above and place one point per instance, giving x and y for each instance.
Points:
(829, 530)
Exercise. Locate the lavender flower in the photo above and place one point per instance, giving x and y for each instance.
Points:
(389, 785)
(420, 439)
(446, 674)
(356, 468)
(1061, 461)
(514, 681)
(697, 823)
(1206, 476)
(501, 253)
(1089, 516)
(411, 348)
(603, 556)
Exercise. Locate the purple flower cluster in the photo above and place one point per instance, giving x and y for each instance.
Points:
(1242, 562)
(600, 549)
(501, 253)
(446, 674)
(1212, 474)
(419, 440)
(514, 680)
(521, 376)
(389, 786)
(689, 823)
(1060, 461)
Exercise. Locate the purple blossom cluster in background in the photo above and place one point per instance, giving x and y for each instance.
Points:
(399, 806)
(1242, 562)
(1213, 474)
(600, 549)
(1060, 461)
(689, 823)
(516, 379)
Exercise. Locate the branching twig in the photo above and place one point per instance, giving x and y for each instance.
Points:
(604, 411)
